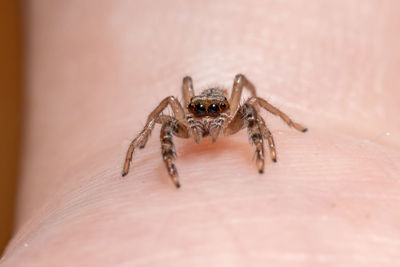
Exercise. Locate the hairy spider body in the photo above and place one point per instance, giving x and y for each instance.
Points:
(208, 111)
(210, 114)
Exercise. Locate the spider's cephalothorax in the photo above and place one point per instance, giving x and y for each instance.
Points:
(209, 114)
(211, 102)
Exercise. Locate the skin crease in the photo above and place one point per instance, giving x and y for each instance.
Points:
(95, 69)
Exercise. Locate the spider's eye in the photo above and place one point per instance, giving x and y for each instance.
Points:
(223, 106)
(213, 110)
(200, 109)
(190, 106)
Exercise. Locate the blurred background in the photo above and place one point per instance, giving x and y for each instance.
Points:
(10, 112)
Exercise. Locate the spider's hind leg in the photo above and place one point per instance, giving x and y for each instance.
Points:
(267, 106)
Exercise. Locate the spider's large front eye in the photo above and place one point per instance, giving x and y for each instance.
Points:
(200, 109)
(213, 110)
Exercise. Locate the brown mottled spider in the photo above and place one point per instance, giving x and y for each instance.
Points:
(209, 114)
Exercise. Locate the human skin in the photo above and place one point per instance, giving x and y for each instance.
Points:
(95, 69)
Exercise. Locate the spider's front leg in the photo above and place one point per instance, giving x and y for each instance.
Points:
(250, 117)
(239, 83)
(247, 116)
(168, 151)
(188, 93)
(141, 140)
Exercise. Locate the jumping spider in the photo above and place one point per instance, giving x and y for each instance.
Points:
(209, 114)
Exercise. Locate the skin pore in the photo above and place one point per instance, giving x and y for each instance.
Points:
(96, 69)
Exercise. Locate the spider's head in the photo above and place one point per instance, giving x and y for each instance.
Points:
(208, 107)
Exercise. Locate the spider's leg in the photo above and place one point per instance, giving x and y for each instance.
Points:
(247, 116)
(264, 104)
(239, 82)
(168, 150)
(187, 90)
(250, 116)
(267, 135)
(235, 124)
(188, 93)
(180, 129)
(141, 140)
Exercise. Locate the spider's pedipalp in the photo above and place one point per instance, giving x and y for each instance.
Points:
(217, 126)
(193, 128)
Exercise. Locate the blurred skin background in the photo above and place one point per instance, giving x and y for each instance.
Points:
(353, 53)
(10, 112)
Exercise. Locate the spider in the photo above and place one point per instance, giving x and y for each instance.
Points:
(210, 114)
